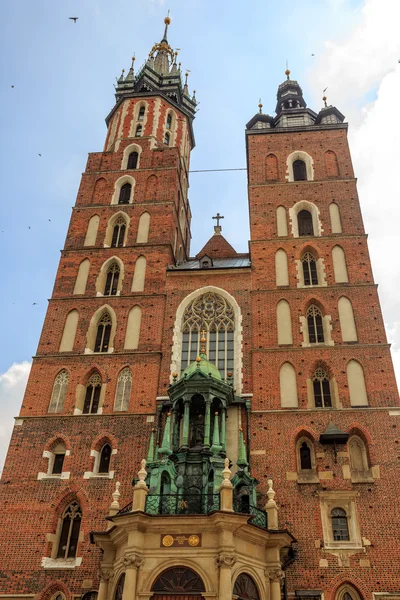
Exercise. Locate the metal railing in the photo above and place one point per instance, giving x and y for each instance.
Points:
(183, 504)
(258, 517)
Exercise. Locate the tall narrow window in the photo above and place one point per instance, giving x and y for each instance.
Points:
(92, 397)
(322, 389)
(133, 160)
(304, 220)
(212, 313)
(309, 269)
(166, 138)
(105, 457)
(125, 194)
(340, 526)
(315, 325)
(120, 588)
(138, 132)
(103, 333)
(59, 455)
(169, 121)
(299, 170)
(69, 537)
(111, 287)
(118, 236)
(59, 392)
(123, 392)
(305, 456)
(141, 114)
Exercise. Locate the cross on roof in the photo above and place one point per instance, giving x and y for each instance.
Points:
(218, 217)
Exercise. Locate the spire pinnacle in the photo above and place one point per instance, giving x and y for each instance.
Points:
(217, 227)
(167, 22)
(260, 107)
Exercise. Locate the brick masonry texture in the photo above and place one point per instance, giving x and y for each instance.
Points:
(32, 507)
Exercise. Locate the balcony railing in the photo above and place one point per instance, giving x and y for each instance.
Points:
(259, 517)
(184, 504)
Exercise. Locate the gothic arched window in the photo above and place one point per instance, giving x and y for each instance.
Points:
(141, 114)
(133, 160)
(305, 223)
(103, 333)
(125, 194)
(111, 287)
(120, 588)
(92, 396)
(139, 130)
(299, 170)
(309, 269)
(340, 526)
(123, 392)
(322, 389)
(69, 536)
(169, 121)
(118, 236)
(315, 325)
(245, 588)
(105, 457)
(59, 392)
(166, 138)
(305, 456)
(213, 314)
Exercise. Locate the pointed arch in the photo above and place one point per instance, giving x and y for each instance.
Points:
(271, 168)
(356, 382)
(129, 150)
(339, 265)
(334, 213)
(245, 588)
(143, 228)
(91, 232)
(110, 279)
(151, 188)
(99, 190)
(307, 170)
(312, 225)
(281, 268)
(105, 312)
(331, 164)
(59, 392)
(69, 332)
(126, 198)
(284, 323)
(347, 592)
(82, 277)
(139, 274)
(117, 230)
(288, 386)
(281, 222)
(123, 391)
(70, 528)
(132, 336)
(235, 343)
(346, 319)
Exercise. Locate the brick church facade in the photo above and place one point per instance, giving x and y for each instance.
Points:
(258, 387)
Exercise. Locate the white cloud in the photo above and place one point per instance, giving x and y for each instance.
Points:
(12, 387)
(365, 66)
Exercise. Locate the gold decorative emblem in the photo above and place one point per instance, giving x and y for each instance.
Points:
(194, 540)
(167, 540)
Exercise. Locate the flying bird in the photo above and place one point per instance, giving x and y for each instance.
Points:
(74, 19)
(13, 86)
(34, 303)
(325, 89)
(39, 155)
(312, 54)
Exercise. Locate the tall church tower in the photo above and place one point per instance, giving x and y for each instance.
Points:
(251, 397)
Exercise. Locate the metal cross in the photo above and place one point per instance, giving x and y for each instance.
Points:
(218, 217)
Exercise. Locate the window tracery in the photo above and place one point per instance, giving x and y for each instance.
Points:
(124, 386)
(315, 325)
(111, 287)
(119, 230)
(321, 387)
(340, 527)
(59, 392)
(215, 315)
(309, 269)
(69, 536)
(92, 397)
(103, 333)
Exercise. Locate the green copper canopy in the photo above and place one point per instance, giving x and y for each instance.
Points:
(203, 366)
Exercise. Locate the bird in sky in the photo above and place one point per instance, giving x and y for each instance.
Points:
(49, 220)
(39, 155)
(325, 89)
(13, 86)
(34, 303)
(74, 19)
(312, 54)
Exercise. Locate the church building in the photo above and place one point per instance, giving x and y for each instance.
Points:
(211, 427)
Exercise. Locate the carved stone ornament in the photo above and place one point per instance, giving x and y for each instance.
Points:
(226, 560)
(131, 559)
(276, 574)
(106, 575)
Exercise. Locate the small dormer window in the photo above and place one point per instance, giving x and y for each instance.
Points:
(206, 262)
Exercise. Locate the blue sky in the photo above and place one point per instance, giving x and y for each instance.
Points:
(63, 75)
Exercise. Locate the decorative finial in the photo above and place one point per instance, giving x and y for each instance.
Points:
(217, 227)
(271, 494)
(198, 360)
(203, 341)
(226, 474)
(186, 76)
(260, 107)
(324, 98)
(116, 496)
(175, 376)
(287, 73)
(133, 60)
(142, 473)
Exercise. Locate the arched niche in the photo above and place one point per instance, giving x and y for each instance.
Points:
(91, 232)
(139, 275)
(288, 386)
(284, 323)
(334, 213)
(143, 228)
(69, 332)
(356, 381)
(271, 168)
(347, 322)
(132, 335)
(281, 268)
(331, 164)
(82, 277)
(281, 222)
(339, 265)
